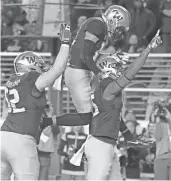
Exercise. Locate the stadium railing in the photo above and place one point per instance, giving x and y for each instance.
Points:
(152, 82)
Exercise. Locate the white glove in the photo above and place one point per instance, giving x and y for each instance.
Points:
(65, 35)
(156, 41)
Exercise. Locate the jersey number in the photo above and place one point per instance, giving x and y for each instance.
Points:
(13, 101)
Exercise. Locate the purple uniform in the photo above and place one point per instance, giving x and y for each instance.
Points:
(95, 26)
(106, 121)
(78, 75)
(25, 104)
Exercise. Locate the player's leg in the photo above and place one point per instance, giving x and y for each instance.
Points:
(100, 157)
(78, 83)
(116, 169)
(5, 167)
(25, 163)
(45, 161)
(6, 170)
(161, 169)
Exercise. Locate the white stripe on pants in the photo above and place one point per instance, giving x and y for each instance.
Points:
(103, 163)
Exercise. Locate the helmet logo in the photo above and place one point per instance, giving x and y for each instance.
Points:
(103, 64)
(31, 59)
(107, 65)
(117, 16)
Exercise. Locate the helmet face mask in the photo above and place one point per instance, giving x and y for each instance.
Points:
(119, 33)
(118, 21)
(29, 61)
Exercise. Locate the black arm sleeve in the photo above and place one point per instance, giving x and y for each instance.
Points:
(72, 120)
(125, 131)
(88, 53)
(61, 148)
(95, 27)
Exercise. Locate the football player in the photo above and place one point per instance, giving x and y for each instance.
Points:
(106, 124)
(25, 95)
(114, 24)
(99, 148)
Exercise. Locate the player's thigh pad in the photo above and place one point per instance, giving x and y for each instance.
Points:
(116, 169)
(100, 159)
(5, 166)
(5, 169)
(78, 83)
(23, 156)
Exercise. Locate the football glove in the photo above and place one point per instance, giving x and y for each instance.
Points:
(156, 41)
(138, 142)
(65, 35)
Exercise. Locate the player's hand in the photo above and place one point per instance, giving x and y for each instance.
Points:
(65, 35)
(156, 41)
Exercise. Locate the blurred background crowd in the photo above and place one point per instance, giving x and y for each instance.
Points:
(16, 22)
(21, 30)
(147, 17)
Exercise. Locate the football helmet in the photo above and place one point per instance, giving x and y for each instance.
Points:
(114, 65)
(29, 61)
(118, 21)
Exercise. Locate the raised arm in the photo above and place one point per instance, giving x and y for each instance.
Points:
(117, 85)
(59, 66)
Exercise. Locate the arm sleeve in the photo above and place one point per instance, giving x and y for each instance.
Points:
(71, 120)
(125, 131)
(111, 87)
(95, 28)
(61, 148)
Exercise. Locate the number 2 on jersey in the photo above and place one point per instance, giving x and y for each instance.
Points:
(13, 101)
